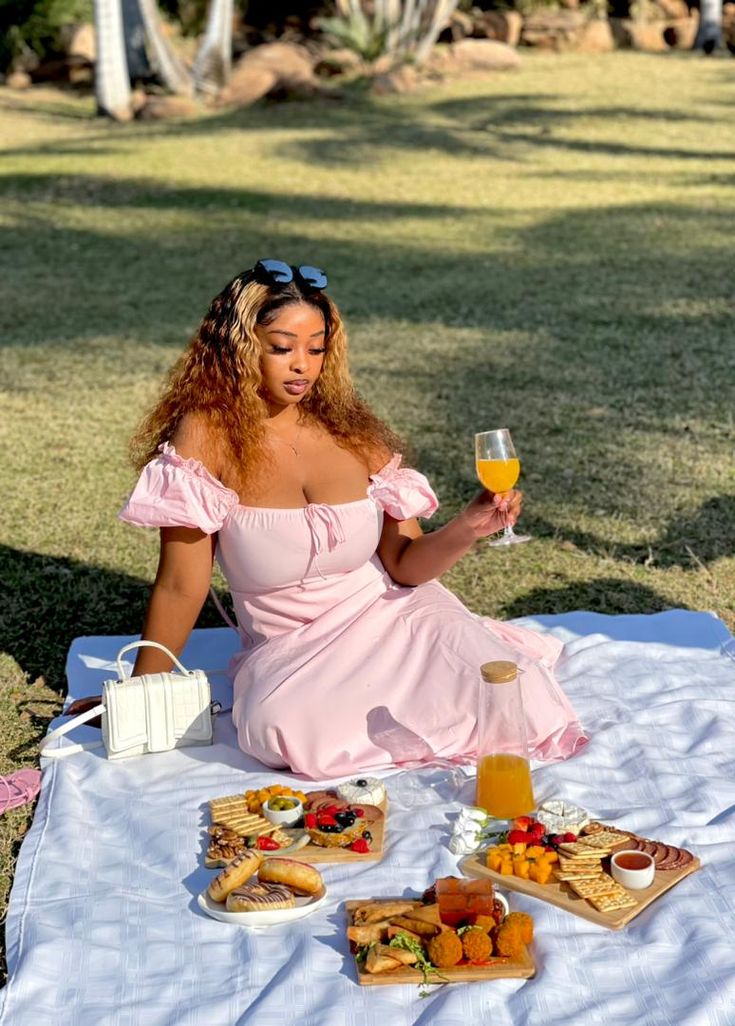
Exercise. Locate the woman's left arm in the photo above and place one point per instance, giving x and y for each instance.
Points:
(411, 557)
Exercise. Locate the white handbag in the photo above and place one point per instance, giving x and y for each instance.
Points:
(151, 713)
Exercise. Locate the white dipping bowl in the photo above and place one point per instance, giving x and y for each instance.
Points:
(503, 901)
(637, 874)
(284, 817)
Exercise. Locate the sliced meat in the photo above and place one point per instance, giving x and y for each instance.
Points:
(371, 813)
(662, 854)
(677, 859)
(318, 796)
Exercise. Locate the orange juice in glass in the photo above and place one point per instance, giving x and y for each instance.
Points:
(504, 785)
(498, 469)
(498, 475)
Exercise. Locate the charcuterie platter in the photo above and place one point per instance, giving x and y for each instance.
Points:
(342, 824)
(580, 879)
(457, 932)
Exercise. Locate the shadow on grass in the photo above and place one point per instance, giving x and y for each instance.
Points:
(46, 602)
(355, 130)
(586, 331)
(696, 539)
(609, 595)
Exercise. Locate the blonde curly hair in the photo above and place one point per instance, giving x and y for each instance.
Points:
(218, 380)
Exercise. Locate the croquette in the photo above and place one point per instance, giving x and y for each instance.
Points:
(525, 922)
(486, 923)
(476, 945)
(508, 940)
(445, 950)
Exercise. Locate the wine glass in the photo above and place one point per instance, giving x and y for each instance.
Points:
(498, 469)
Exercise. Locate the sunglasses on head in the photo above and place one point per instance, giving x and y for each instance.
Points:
(276, 272)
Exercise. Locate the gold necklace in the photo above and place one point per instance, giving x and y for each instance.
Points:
(291, 445)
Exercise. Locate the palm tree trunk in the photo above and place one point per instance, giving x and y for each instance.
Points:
(214, 59)
(172, 72)
(111, 79)
(138, 64)
(443, 11)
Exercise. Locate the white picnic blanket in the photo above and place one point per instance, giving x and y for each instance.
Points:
(104, 930)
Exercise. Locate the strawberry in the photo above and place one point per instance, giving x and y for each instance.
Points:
(537, 829)
(569, 837)
(360, 845)
(358, 812)
(521, 823)
(520, 837)
(310, 820)
(557, 839)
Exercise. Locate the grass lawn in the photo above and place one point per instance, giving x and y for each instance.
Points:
(551, 251)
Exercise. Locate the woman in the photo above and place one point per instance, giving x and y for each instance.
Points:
(260, 453)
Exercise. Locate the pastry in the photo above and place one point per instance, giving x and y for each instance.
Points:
(242, 867)
(369, 790)
(337, 838)
(259, 897)
(297, 875)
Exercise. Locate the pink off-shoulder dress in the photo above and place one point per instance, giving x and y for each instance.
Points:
(341, 669)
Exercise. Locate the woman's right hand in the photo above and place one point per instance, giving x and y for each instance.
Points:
(489, 512)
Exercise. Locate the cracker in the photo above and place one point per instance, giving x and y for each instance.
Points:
(575, 850)
(602, 840)
(612, 902)
(591, 888)
(567, 876)
(574, 864)
(233, 812)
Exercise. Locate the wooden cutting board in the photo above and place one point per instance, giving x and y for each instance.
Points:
(500, 970)
(561, 894)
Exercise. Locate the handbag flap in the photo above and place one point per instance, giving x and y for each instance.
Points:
(124, 722)
(157, 712)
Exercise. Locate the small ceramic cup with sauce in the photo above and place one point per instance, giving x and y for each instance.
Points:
(633, 869)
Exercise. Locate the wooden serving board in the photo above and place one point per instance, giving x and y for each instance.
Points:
(500, 970)
(314, 853)
(560, 894)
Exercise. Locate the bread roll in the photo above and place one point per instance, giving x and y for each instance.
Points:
(296, 875)
(235, 875)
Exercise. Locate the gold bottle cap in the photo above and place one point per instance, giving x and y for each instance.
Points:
(499, 672)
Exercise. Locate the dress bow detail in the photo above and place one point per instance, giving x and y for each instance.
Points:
(317, 516)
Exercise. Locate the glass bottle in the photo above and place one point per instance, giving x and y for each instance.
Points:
(503, 769)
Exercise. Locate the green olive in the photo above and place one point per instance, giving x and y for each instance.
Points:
(281, 804)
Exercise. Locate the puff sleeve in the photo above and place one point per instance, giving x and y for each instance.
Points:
(402, 492)
(177, 492)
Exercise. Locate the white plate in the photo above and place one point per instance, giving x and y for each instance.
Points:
(304, 906)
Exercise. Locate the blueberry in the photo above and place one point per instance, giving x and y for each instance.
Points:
(361, 783)
(367, 835)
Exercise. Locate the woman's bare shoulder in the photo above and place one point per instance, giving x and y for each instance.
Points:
(196, 438)
(377, 458)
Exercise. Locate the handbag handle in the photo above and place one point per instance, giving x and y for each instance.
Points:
(61, 753)
(147, 644)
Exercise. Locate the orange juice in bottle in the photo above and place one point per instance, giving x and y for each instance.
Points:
(504, 785)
